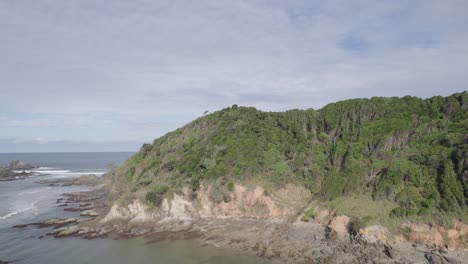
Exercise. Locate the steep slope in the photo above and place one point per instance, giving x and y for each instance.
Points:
(409, 151)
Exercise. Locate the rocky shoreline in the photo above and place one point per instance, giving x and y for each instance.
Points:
(278, 239)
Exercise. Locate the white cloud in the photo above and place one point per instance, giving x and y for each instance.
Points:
(136, 69)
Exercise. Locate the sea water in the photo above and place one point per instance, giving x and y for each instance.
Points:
(26, 201)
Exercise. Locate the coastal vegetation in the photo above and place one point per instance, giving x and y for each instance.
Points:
(408, 154)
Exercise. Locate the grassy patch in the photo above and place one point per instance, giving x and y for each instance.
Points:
(366, 209)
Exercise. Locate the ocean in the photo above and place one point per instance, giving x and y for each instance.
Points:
(26, 201)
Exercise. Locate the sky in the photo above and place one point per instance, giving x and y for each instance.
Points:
(87, 75)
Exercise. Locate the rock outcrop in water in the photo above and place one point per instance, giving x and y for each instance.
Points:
(16, 170)
(19, 165)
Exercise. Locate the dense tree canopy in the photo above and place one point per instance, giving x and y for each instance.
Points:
(409, 150)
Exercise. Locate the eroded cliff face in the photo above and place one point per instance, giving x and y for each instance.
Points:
(249, 202)
(134, 212)
(253, 202)
(450, 238)
(245, 201)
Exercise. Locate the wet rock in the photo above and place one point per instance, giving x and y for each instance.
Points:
(17, 170)
(89, 180)
(90, 213)
(85, 230)
(55, 222)
(64, 231)
(4, 173)
(107, 229)
(60, 221)
(93, 235)
(77, 209)
(20, 226)
(81, 197)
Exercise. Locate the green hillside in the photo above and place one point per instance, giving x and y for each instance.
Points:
(408, 150)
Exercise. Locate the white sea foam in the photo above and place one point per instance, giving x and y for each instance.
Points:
(32, 206)
(21, 171)
(64, 173)
(35, 191)
(51, 171)
(45, 168)
(41, 170)
(76, 174)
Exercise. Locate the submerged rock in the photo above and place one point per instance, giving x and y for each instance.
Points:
(76, 209)
(19, 226)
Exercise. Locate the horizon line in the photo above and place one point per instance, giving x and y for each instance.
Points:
(65, 152)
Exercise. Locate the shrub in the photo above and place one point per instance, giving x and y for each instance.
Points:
(354, 225)
(406, 231)
(162, 189)
(170, 165)
(145, 182)
(156, 196)
(424, 211)
(310, 214)
(280, 171)
(195, 183)
(398, 212)
(230, 186)
(219, 193)
(226, 198)
(129, 174)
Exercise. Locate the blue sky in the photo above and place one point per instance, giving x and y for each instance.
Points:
(81, 75)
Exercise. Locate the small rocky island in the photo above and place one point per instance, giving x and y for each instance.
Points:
(16, 170)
